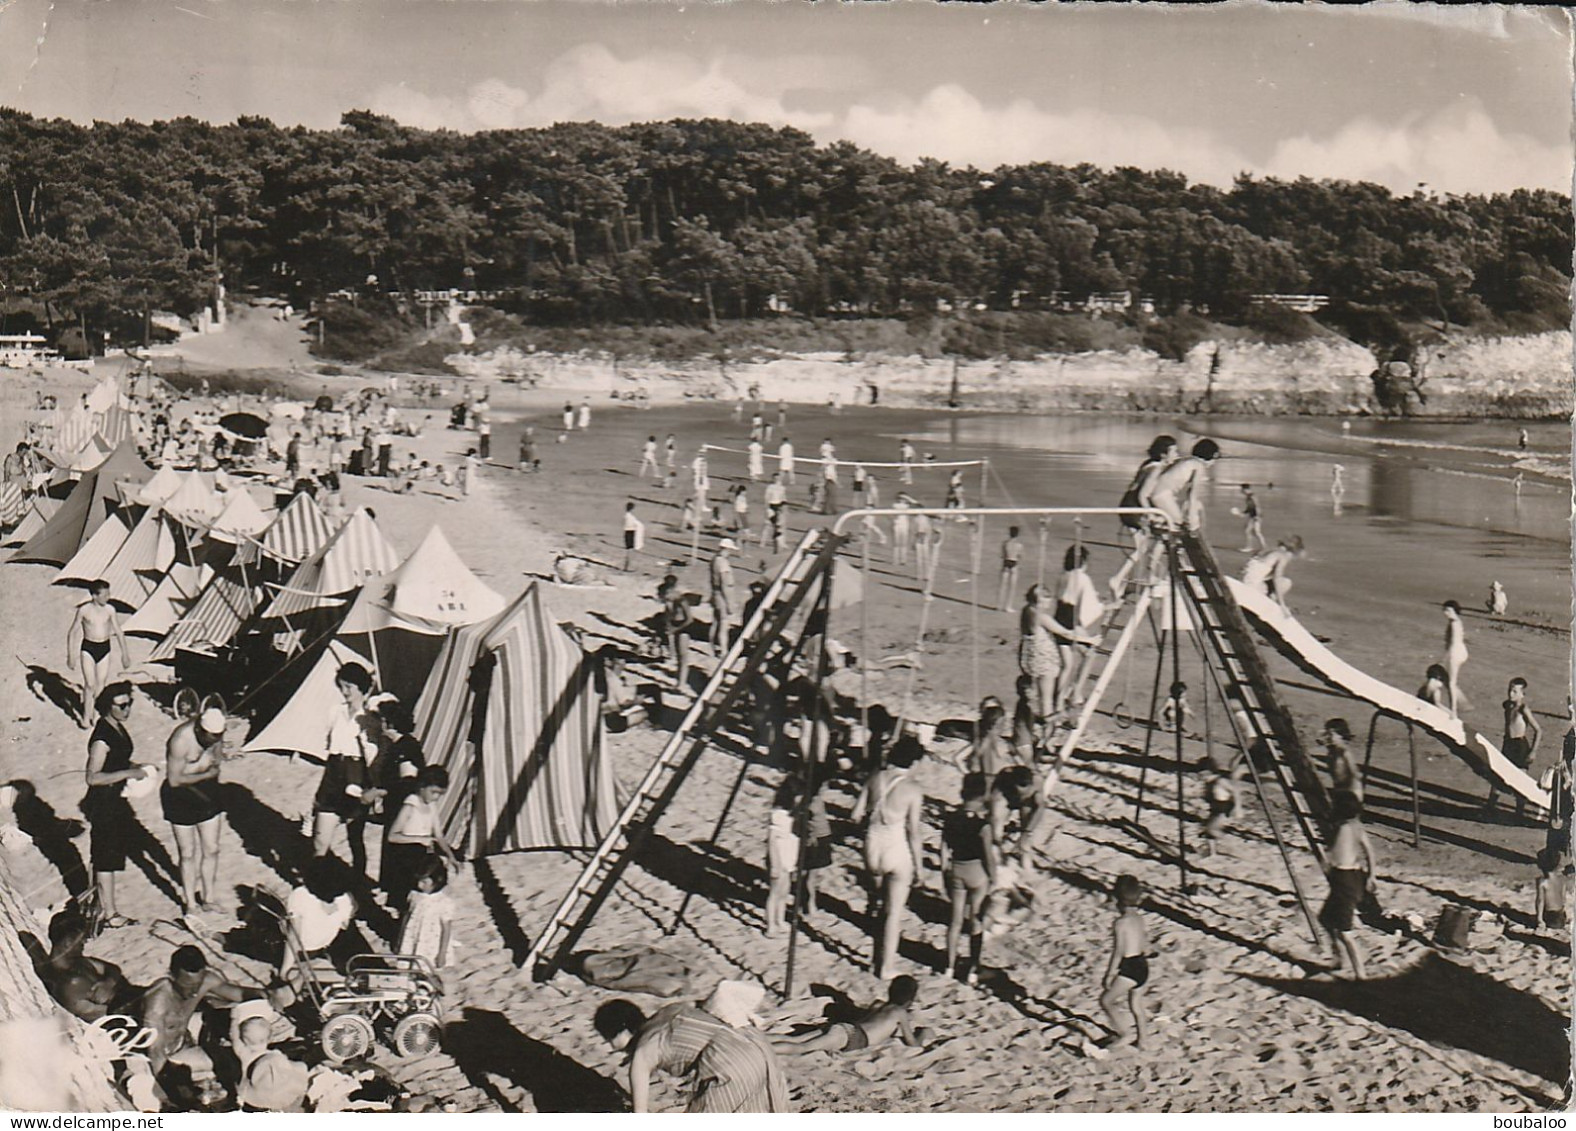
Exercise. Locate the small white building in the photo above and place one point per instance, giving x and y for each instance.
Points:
(24, 351)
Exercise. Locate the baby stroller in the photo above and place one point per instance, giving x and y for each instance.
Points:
(397, 995)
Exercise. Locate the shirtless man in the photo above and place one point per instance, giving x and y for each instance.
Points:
(1176, 489)
(92, 630)
(1522, 733)
(892, 843)
(189, 797)
(170, 1003)
(86, 987)
(1337, 740)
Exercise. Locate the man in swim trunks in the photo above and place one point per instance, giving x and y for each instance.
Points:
(1011, 554)
(1350, 868)
(168, 1007)
(190, 800)
(879, 1024)
(892, 842)
(1176, 488)
(1522, 733)
(87, 988)
(92, 630)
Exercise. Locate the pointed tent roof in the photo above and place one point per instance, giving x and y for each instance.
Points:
(299, 532)
(358, 550)
(165, 482)
(241, 518)
(89, 562)
(511, 710)
(73, 434)
(431, 590)
(85, 509)
(224, 605)
(141, 560)
(175, 593)
(36, 518)
(85, 458)
(194, 502)
(104, 396)
(302, 723)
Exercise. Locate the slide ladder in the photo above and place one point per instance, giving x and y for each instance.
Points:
(1224, 631)
(799, 576)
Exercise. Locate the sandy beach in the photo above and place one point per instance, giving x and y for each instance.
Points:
(1243, 1021)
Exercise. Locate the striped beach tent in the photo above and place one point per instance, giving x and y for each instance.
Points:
(358, 550)
(172, 597)
(13, 502)
(299, 532)
(89, 456)
(511, 710)
(302, 723)
(96, 553)
(91, 501)
(73, 435)
(400, 619)
(141, 561)
(226, 603)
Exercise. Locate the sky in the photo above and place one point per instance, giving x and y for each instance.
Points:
(1462, 99)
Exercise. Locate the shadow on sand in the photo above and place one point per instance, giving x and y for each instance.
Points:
(485, 1045)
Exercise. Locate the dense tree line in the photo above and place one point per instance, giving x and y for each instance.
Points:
(708, 220)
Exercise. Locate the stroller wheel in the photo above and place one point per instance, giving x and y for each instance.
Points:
(417, 1034)
(346, 1037)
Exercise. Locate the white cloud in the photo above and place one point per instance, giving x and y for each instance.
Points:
(589, 82)
(952, 125)
(1458, 149)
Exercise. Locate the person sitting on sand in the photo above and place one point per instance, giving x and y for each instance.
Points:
(876, 1025)
(1350, 868)
(1436, 687)
(892, 842)
(1175, 490)
(1267, 571)
(87, 988)
(1128, 971)
(1497, 601)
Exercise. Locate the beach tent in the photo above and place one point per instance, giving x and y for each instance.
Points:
(401, 619)
(358, 550)
(119, 423)
(173, 596)
(225, 604)
(241, 518)
(511, 710)
(36, 517)
(89, 562)
(91, 501)
(302, 723)
(13, 503)
(85, 458)
(299, 532)
(165, 482)
(194, 502)
(141, 561)
(73, 435)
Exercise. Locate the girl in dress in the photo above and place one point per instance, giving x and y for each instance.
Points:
(428, 928)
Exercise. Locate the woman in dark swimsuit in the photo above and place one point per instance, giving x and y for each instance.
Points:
(108, 812)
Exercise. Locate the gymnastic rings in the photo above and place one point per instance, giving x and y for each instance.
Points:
(1121, 716)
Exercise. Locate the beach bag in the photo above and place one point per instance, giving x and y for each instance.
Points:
(1454, 929)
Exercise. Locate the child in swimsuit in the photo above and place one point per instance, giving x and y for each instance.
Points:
(892, 1018)
(1128, 970)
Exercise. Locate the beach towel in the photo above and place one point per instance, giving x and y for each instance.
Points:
(638, 969)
